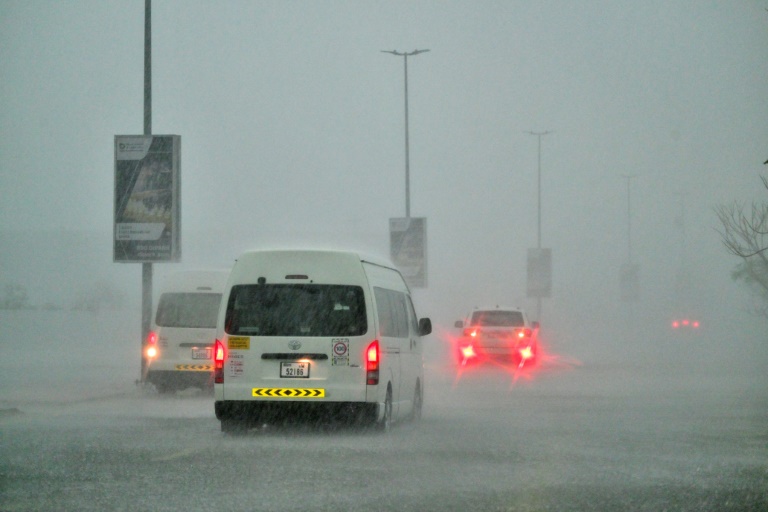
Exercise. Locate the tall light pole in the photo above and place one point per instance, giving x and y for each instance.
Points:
(539, 135)
(146, 267)
(629, 216)
(407, 159)
(630, 275)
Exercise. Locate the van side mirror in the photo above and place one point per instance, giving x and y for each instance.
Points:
(425, 326)
(459, 324)
(535, 324)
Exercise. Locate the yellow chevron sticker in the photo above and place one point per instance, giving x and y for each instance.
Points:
(194, 367)
(288, 393)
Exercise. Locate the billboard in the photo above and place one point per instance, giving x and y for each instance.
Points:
(539, 273)
(147, 225)
(408, 248)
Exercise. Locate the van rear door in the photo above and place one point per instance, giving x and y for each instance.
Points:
(295, 336)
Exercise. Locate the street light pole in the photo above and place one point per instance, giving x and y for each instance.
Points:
(407, 159)
(629, 216)
(539, 135)
(146, 267)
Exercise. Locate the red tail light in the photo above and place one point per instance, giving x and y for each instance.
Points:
(219, 354)
(372, 363)
(151, 350)
(471, 332)
(524, 333)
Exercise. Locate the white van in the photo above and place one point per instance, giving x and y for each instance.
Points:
(322, 334)
(178, 350)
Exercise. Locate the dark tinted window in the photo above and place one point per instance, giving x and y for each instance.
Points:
(296, 310)
(198, 310)
(495, 318)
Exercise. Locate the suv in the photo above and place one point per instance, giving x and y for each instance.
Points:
(497, 333)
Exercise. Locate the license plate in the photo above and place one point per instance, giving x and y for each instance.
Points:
(294, 370)
(202, 353)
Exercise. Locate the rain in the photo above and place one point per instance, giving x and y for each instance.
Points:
(606, 132)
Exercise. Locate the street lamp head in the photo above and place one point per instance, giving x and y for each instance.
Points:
(404, 54)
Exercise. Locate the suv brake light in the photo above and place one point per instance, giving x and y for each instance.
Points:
(372, 363)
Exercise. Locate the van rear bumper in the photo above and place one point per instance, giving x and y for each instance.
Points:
(256, 412)
(166, 380)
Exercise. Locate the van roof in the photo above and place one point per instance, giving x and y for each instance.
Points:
(363, 257)
(208, 280)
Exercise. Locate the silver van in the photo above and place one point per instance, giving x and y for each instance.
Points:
(320, 334)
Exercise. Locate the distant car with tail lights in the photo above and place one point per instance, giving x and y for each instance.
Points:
(178, 352)
(685, 325)
(498, 334)
(321, 336)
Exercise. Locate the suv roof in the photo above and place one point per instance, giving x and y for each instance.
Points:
(497, 317)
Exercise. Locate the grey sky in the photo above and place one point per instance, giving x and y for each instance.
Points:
(291, 121)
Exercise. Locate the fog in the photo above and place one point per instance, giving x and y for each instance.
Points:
(292, 119)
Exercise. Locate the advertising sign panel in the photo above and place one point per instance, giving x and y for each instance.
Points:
(147, 198)
(408, 248)
(539, 273)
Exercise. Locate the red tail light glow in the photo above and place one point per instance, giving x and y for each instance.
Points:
(372, 363)
(219, 354)
(151, 350)
(526, 353)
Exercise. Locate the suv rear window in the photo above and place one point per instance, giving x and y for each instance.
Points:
(195, 310)
(497, 319)
(296, 310)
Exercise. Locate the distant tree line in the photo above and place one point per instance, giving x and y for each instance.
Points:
(745, 235)
(101, 296)
(14, 297)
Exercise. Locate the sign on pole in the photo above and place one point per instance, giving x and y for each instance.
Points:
(539, 273)
(147, 198)
(408, 248)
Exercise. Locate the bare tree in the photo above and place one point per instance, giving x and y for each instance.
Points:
(745, 234)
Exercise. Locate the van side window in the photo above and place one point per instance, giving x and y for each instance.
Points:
(296, 310)
(412, 318)
(391, 307)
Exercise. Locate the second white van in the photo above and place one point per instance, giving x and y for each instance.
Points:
(178, 351)
(321, 334)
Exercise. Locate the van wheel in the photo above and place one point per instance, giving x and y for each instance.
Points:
(418, 403)
(385, 425)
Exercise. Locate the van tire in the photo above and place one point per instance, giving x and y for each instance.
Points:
(385, 425)
(418, 403)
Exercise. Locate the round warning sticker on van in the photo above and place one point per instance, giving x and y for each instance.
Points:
(340, 352)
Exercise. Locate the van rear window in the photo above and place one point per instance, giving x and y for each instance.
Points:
(296, 310)
(192, 310)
